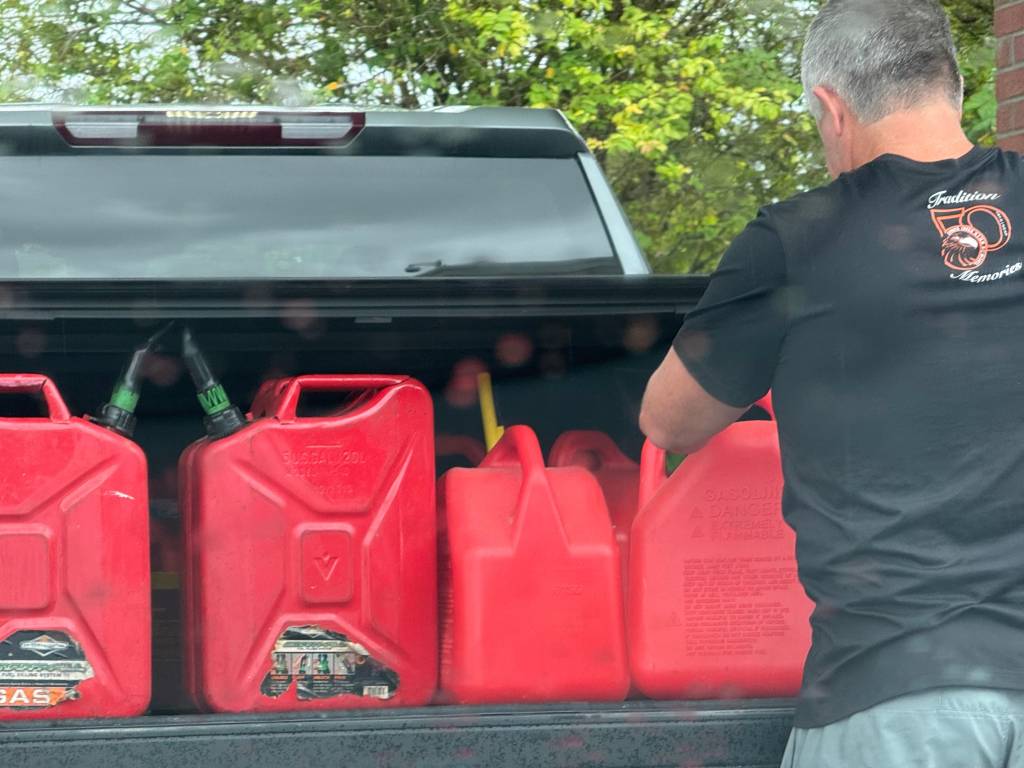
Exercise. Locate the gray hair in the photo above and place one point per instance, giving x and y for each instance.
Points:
(881, 56)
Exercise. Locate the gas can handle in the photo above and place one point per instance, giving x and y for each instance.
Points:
(652, 472)
(766, 404)
(33, 382)
(652, 459)
(567, 452)
(264, 402)
(289, 397)
(517, 447)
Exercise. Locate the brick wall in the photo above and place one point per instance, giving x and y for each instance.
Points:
(1009, 26)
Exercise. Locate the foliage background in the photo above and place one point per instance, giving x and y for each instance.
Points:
(693, 106)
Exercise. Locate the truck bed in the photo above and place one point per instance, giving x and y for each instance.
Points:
(610, 332)
(640, 734)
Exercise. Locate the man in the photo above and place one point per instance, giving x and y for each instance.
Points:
(886, 314)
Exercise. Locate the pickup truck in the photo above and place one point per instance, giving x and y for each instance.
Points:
(433, 243)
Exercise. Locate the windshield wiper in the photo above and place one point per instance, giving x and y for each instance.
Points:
(424, 267)
(597, 266)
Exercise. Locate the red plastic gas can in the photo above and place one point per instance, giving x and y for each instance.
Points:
(74, 565)
(463, 447)
(715, 607)
(531, 595)
(311, 553)
(617, 474)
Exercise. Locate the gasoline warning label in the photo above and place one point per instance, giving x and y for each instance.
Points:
(41, 668)
(322, 664)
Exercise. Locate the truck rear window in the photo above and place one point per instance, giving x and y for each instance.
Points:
(286, 216)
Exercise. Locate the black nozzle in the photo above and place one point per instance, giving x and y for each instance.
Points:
(221, 417)
(118, 414)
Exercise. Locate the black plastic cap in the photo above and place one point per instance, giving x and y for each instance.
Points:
(224, 423)
(117, 420)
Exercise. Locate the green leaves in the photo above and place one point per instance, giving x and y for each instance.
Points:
(693, 106)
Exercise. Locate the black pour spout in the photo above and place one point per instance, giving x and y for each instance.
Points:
(222, 418)
(118, 414)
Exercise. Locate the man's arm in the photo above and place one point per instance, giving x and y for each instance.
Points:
(724, 357)
(677, 412)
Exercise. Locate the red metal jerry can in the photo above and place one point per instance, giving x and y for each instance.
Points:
(531, 592)
(311, 552)
(74, 565)
(617, 474)
(715, 606)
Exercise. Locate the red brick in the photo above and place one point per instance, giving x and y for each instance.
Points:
(1018, 48)
(1004, 56)
(1014, 143)
(1001, 3)
(1009, 83)
(1017, 118)
(1009, 19)
(1010, 117)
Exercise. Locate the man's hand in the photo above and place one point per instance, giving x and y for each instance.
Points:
(677, 413)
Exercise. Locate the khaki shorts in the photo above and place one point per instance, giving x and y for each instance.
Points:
(942, 728)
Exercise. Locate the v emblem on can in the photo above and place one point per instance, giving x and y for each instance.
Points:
(326, 564)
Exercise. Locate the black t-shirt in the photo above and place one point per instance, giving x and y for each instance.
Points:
(886, 313)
